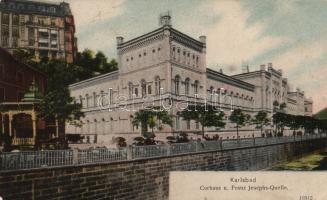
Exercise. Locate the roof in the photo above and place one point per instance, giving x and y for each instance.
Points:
(36, 7)
(174, 34)
(9, 56)
(103, 77)
(212, 74)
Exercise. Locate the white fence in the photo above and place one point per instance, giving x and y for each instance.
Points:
(58, 158)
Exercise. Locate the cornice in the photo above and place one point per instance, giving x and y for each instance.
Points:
(211, 74)
(140, 41)
(60, 10)
(95, 80)
(187, 40)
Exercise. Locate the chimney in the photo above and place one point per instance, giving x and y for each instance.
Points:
(221, 70)
(203, 39)
(280, 71)
(263, 67)
(245, 69)
(270, 65)
(120, 40)
(165, 19)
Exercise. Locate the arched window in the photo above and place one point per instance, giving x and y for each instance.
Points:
(177, 83)
(197, 61)
(111, 99)
(211, 93)
(102, 97)
(94, 99)
(157, 85)
(143, 86)
(87, 100)
(178, 54)
(177, 122)
(103, 124)
(81, 100)
(174, 52)
(88, 126)
(149, 89)
(187, 86)
(196, 87)
(130, 90)
(95, 130)
(188, 124)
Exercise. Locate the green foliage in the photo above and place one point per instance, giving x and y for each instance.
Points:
(25, 57)
(296, 122)
(91, 64)
(57, 101)
(239, 118)
(280, 121)
(153, 118)
(322, 114)
(261, 120)
(207, 116)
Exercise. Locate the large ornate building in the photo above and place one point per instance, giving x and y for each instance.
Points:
(168, 68)
(45, 29)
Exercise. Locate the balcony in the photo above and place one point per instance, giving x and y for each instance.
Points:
(23, 141)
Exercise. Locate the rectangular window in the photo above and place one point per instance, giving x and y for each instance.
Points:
(136, 91)
(149, 89)
(5, 41)
(2, 94)
(197, 125)
(5, 30)
(14, 42)
(5, 18)
(188, 124)
(15, 32)
(177, 123)
(15, 20)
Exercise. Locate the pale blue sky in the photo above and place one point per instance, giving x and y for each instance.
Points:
(290, 34)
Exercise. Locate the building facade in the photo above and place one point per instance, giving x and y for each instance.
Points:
(21, 87)
(16, 78)
(167, 68)
(45, 29)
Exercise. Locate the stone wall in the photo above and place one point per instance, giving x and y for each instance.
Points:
(139, 179)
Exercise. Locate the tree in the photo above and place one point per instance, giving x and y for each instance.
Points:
(294, 122)
(57, 102)
(261, 120)
(92, 64)
(280, 121)
(206, 115)
(239, 118)
(152, 118)
(25, 57)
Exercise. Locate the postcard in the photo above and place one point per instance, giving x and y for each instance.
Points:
(187, 99)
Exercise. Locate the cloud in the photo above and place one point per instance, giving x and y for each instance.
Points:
(301, 54)
(306, 67)
(231, 40)
(100, 41)
(87, 12)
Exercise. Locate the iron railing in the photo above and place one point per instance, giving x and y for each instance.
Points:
(58, 158)
(100, 155)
